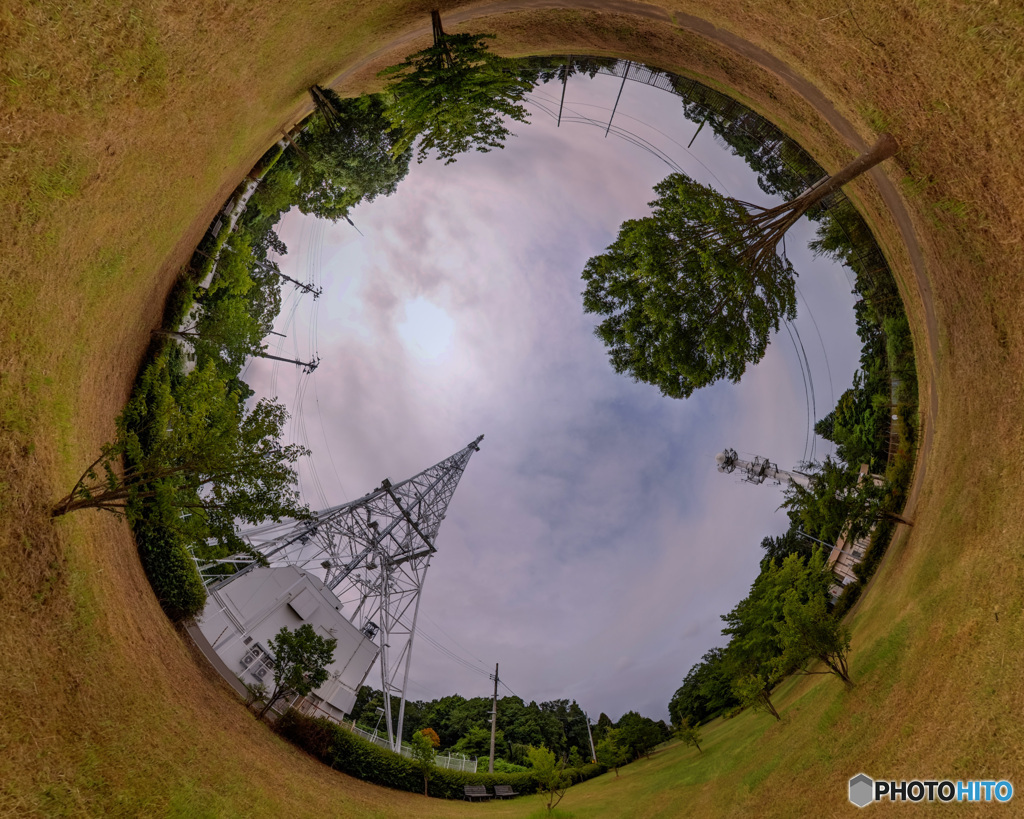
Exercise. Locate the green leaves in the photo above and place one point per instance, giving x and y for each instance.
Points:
(686, 303)
(354, 158)
(454, 97)
(301, 658)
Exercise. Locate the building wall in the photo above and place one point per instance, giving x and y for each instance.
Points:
(243, 615)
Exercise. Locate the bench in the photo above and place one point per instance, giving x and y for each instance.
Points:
(505, 792)
(475, 792)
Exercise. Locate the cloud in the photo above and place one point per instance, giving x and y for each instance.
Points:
(591, 545)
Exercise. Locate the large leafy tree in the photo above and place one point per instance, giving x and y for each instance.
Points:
(640, 734)
(301, 658)
(781, 626)
(350, 154)
(455, 96)
(706, 690)
(691, 293)
(203, 449)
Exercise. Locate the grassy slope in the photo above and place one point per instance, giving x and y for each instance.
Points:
(128, 124)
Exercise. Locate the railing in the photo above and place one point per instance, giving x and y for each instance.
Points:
(453, 762)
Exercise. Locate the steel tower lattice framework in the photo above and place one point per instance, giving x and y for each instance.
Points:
(758, 470)
(373, 553)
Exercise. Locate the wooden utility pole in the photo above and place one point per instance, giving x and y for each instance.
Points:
(494, 719)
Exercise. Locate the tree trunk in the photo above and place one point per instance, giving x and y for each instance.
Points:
(885, 147)
(768, 704)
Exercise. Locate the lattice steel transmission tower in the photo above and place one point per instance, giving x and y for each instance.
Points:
(373, 554)
(758, 470)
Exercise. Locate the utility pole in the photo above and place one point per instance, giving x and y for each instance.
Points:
(305, 288)
(191, 338)
(593, 753)
(629, 65)
(494, 719)
(565, 81)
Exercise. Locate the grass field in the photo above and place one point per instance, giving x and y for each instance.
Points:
(125, 125)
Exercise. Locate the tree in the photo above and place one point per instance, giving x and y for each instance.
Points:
(757, 651)
(754, 691)
(692, 292)
(610, 751)
(477, 742)
(840, 502)
(811, 632)
(550, 775)
(301, 658)
(690, 734)
(455, 96)
(640, 734)
(213, 456)
(423, 745)
(706, 690)
(778, 548)
(351, 155)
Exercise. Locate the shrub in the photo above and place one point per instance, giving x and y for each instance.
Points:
(351, 754)
(170, 568)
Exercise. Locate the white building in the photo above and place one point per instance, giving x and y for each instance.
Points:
(846, 554)
(244, 614)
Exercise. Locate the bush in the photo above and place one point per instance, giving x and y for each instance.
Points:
(170, 568)
(502, 766)
(351, 754)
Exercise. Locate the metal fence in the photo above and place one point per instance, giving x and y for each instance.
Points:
(453, 762)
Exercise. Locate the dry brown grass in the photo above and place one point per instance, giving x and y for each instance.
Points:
(125, 125)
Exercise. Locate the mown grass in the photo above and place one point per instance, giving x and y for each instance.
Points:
(126, 124)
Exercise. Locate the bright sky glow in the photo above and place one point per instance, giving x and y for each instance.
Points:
(591, 545)
(427, 329)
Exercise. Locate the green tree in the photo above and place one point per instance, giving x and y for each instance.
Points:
(454, 96)
(350, 157)
(301, 658)
(640, 734)
(810, 631)
(611, 752)
(477, 742)
(218, 459)
(550, 774)
(839, 502)
(691, 293)
(754, 691)
(757, 653)
(778, 548)
(690, 734)
(423, 753)
(706, 690)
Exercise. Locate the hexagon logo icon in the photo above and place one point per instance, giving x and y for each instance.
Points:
(862, 790)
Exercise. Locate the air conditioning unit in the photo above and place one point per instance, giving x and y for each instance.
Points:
(249, 658)
(260, 672)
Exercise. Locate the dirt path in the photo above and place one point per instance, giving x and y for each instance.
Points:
(801, 86)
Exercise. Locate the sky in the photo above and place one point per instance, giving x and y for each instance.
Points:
(591, 546)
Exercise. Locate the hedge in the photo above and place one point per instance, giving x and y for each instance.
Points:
(351, 754)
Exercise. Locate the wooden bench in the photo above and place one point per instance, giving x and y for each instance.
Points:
(505, 792)
(475, 792)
